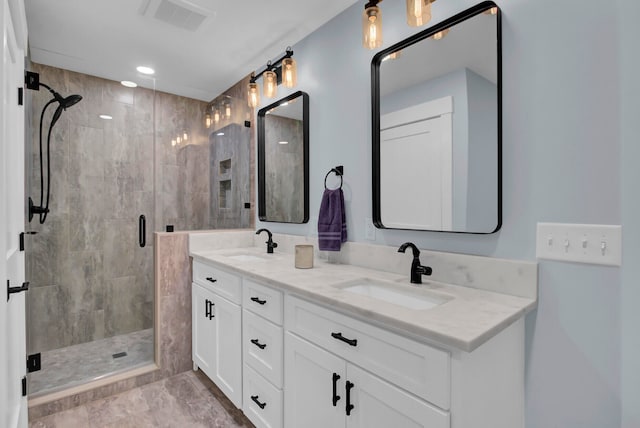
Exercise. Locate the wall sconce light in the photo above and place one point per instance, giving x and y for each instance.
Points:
(418, 12)
(440, 34)
(281, 69)
(372, 25)
(227, 108)
(178, 139)
(207, 120)
(289, 73)
(173, 142)
(270, 83)
(185, 136)
(216, 115)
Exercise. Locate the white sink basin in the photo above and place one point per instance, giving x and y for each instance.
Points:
(417, 299)
(246, 258)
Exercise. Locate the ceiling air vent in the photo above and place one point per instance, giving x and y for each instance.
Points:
(179, 13)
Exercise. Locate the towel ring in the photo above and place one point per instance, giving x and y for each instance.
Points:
(338, 171)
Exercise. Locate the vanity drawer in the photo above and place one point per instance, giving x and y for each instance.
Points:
(262, 300)
(263, 347)
(416, 367)
(223, 283)
(261, 402)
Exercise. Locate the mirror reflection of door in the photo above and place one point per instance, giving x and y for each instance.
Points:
(415, 167)
(424, 182)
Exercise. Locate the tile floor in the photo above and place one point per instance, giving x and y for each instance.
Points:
(73, 365)
(187, 400)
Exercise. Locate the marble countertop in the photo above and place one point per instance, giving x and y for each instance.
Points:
(468, 318)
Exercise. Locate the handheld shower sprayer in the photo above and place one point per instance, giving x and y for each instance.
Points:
(33, 82)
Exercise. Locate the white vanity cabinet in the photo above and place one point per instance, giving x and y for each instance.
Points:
(217, 328)
(343, 372)
(262, 354)
(325, 353)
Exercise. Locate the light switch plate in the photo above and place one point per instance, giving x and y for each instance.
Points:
(583, 243)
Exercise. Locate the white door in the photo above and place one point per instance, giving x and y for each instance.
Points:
(378, 404)
(416, 190)
(309, 379)
(12, 207)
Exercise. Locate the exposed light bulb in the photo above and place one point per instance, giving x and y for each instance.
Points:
(253, 95)
(418, 12)
(289, 73)
(440, 34)
(372, 27)
(270, 85)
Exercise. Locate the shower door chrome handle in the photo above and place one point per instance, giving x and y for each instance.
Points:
(142, 231)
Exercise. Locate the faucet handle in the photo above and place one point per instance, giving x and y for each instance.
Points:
(424, 270)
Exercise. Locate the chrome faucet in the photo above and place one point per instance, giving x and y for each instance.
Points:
(417, 270)
(270, 244)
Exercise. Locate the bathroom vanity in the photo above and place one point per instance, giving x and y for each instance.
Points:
(349, 345)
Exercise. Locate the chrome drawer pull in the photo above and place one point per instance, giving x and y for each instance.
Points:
(339, 336)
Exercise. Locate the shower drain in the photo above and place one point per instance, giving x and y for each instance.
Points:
(119, 355)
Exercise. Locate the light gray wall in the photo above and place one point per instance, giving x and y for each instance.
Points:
(629, 62)
(482, 175)
(562, 157)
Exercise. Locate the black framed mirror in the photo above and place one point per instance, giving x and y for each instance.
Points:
(283, 160)
(436, 127)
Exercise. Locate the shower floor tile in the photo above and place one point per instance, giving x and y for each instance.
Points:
(77, 364)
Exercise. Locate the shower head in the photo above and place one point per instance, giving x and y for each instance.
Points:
(63, 104)
(67, 102)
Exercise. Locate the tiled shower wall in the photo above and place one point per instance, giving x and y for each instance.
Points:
(89, 277)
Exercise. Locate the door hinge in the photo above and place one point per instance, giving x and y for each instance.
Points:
(33, 363)
(24, 386)
(20, 91)
(32, 80)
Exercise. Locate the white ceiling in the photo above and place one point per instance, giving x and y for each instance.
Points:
(109, 38)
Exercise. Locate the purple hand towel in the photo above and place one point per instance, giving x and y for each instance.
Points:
(332, 221)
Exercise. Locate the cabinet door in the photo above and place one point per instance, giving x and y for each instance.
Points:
(309, 386)
(202, 332)
(227, 332)
(379, 404)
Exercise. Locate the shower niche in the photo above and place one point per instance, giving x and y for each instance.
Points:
(230, 159)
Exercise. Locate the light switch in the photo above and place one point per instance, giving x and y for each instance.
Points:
(582, 243)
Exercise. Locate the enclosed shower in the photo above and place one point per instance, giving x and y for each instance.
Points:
(95, 171)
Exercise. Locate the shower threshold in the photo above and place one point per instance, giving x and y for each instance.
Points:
(78, 364)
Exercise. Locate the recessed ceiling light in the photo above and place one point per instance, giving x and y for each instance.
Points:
(145, 70)
(129, 84)
(105, 117)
